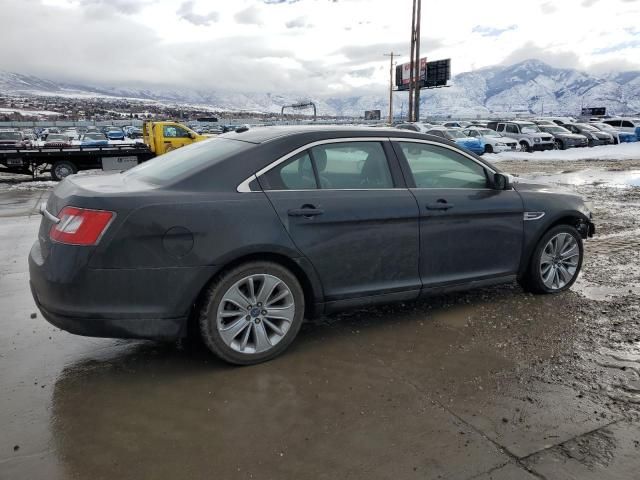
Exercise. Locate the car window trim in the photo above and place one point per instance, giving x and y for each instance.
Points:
(244, 186)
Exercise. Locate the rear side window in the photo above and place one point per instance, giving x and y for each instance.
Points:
(438, 167)
(352, 165)
(187, 160)
(294, 174)
(627, 124)
(512, 129)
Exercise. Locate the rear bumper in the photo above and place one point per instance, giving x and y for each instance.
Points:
(149, 328)
(538, 147)
(151, 303)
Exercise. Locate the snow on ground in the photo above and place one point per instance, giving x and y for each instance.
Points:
(624, 151)
(28, 112)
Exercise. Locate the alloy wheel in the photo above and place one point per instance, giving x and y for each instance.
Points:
(559, 261)
(255, 313)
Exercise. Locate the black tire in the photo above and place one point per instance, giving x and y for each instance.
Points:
(488, 148)
(532, 281)
(214, 295)
(524, 147)
(62, 169)
(559, 144)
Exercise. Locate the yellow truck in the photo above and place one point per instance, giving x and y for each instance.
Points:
(162, 137)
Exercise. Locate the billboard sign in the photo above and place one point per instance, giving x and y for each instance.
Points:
(594, 111)
(372, 114)
(432, 74)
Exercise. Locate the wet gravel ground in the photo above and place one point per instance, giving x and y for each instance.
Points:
(488, 384)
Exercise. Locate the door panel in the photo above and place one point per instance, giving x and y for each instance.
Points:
(361, 242)
(467, 231)
(479, 236)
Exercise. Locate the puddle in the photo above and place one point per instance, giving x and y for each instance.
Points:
(616, 178)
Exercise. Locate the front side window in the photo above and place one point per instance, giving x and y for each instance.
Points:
(171, 131)
(352, 165)
(627, 124)
(438, 167)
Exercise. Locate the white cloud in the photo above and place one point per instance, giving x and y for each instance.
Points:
(267, 45)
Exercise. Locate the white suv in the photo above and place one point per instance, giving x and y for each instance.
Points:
(528, 135)
(631, 125)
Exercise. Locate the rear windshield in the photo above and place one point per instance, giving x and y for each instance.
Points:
(179, 163)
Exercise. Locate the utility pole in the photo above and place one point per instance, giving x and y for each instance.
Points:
(411, 60)
(391, 65)
(416, 108)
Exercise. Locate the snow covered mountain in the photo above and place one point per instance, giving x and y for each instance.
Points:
(526, 87)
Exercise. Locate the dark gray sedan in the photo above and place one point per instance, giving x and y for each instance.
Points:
(563, 138)
(242, 236)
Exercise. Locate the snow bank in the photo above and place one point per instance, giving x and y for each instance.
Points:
(624, 151)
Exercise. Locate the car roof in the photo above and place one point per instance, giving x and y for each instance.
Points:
(267, 134)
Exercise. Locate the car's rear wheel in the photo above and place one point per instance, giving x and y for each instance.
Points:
(556, 261)
(62, 169)
(252, 313)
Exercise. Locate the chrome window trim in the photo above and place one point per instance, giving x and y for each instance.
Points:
(244, 186)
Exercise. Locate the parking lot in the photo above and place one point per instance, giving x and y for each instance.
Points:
(488, 384)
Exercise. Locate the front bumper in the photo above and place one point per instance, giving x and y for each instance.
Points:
(538, 147)
(151, 303)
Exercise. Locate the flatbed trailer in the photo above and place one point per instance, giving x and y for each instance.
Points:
(61, 162)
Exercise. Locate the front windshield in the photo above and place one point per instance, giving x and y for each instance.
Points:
(10, 136)
(488, 132)
(603, 126)
(588, 127)
(174, 165)
(56, 136)
(94, 136)
(529, 128)
(551, 129)
(455, 134)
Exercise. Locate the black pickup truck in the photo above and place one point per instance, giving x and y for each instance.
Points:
(64, 161)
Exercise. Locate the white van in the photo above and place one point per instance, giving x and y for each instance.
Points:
(631, 125)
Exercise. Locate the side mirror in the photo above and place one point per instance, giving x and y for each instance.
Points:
(192, 136)
(501, 181)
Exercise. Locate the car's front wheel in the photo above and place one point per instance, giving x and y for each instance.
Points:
(556, 261)
(252, 313)
(524, 147)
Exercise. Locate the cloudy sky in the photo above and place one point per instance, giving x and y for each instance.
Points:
(320, 46)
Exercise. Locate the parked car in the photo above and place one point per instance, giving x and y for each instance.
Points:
(528, 134)
(563, 138)
(631, 125)
(457, 124)
(493, 141)
(115, 133)
(94, 140)
(619, 136)
(329, 221)
(421, 127)
(559, 120)
(14, 139)
(456, 135)
(57, 140)
(594, 136)
(71, 134)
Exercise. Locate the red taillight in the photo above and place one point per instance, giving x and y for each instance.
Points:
(79, 226)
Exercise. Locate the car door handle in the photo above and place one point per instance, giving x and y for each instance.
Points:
(439, 206)
(305, 212)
